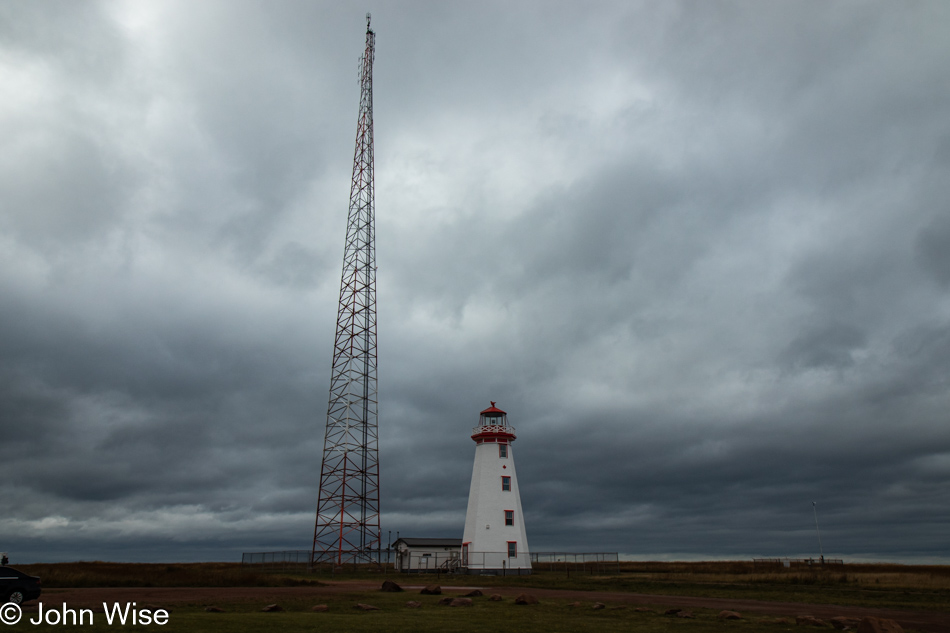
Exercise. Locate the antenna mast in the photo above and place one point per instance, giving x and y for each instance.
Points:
(347, 527)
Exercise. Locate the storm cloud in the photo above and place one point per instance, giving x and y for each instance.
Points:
(700, 253)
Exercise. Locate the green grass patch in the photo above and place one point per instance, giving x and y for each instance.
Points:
(395, 617)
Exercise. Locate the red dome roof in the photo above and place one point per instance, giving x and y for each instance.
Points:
(493, 409)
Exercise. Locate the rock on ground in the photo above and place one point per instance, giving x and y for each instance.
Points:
(318, 608)
(879, 625)
(495, 597)
(273, 607)
(365, 607)
(389, 585)
(843, 624)
(526, 598)
(431, 590)
(461, 602)
(445, 601)
(729, 615)
(412, 604)
(599, 605)
(809, 620)
(475, 593)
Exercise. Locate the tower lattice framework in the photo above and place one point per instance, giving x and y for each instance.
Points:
(347, 527)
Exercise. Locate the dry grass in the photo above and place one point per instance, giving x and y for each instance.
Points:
(871, 576)
(100, 574)
(897, 586)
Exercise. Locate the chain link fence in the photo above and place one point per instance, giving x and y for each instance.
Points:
(295, 559)
(452, 561)
(580, 562)
(772, 563)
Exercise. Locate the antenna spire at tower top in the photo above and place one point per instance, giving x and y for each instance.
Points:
(368, 17)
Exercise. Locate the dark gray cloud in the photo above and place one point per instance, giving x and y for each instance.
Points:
(699, 253)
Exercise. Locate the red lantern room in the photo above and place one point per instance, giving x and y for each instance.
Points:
(493, 426)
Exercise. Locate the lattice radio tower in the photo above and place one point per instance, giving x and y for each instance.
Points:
(347, 528)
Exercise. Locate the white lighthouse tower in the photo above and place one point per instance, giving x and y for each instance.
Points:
(494, 540)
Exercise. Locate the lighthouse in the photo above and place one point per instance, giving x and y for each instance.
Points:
(494, 541)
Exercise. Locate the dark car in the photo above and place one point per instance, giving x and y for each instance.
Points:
(17, 587)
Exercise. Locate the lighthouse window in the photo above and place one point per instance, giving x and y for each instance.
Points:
(506, 484)
(512, 549)
(502, 450)
(509, 517)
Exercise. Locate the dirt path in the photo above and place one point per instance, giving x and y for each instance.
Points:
(930, 621)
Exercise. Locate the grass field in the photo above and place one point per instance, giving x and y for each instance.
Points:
(395, 617)
(898, 586)
(921, 588)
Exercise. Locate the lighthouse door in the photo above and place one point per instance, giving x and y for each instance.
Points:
(464, 554)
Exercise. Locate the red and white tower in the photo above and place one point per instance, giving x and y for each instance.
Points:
(494, 540)
(347, 526)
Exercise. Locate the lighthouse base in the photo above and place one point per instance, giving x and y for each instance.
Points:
(481, 571)
(495, 564)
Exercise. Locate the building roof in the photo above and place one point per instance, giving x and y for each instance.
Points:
(493, 410)
(431, 542)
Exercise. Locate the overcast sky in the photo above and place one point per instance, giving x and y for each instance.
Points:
(699, 251)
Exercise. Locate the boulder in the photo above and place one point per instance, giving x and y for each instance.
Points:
(475, 593)
(461, 602)
(673, 611)
(214, 609)
(809, 620)
(844, 624)
(319, 608)
(446, 601)
(729, 615)
(431, 590)
(684, 614)
(495, 597)
(526, 598)
(272, 607)
(879, 625)
(365, 607)
(390, 586)
(574, 605)
(412, 604)
(598, 605)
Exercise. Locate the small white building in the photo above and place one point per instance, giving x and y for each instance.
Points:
(422, 555)
(494, 540)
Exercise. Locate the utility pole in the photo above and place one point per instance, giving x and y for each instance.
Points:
(814, 506)
(347, 526)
